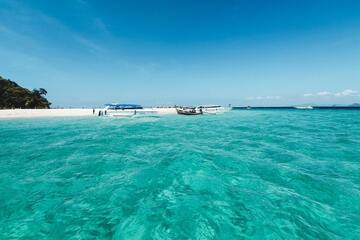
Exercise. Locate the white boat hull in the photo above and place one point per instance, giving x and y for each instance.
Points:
(304, 107)
(125, 113)
(214, 110)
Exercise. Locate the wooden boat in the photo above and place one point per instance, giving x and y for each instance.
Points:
(189, 111)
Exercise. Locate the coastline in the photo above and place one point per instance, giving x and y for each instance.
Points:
(65, 112)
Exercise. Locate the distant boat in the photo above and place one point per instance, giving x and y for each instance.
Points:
(304, 107)
(125, 110)
(189, 111)
(212, 109)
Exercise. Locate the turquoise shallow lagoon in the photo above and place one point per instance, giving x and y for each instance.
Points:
(267, 174)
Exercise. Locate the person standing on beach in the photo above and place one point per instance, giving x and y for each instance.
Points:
(93, 111)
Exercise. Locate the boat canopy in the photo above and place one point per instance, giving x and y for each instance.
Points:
(123, 106)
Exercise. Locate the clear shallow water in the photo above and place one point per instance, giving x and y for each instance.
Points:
(243, 175)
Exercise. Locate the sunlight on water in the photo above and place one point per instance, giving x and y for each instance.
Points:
(243, 175)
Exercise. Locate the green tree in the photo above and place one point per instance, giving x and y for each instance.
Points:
(14, 96)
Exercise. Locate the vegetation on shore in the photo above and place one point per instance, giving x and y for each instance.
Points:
(14, 96)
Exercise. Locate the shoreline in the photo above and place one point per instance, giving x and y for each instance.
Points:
(65, 112)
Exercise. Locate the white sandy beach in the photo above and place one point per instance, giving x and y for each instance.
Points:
(66, 112)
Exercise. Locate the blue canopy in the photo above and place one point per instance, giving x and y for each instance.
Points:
(123, 106)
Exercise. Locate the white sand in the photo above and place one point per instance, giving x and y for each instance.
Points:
(163, 111)
(67, 112)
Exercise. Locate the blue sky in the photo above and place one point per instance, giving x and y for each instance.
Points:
(90, 52)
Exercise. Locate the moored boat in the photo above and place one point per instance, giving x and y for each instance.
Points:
(188, 111)
(125, 110)
(212, 109)
(304, 107)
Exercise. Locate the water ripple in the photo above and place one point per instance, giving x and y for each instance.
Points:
(242, 175)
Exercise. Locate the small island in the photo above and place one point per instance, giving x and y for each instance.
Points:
(14, 96)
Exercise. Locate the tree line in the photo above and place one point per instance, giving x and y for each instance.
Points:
(14, 96)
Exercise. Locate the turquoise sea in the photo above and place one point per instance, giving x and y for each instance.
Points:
(258, 174)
